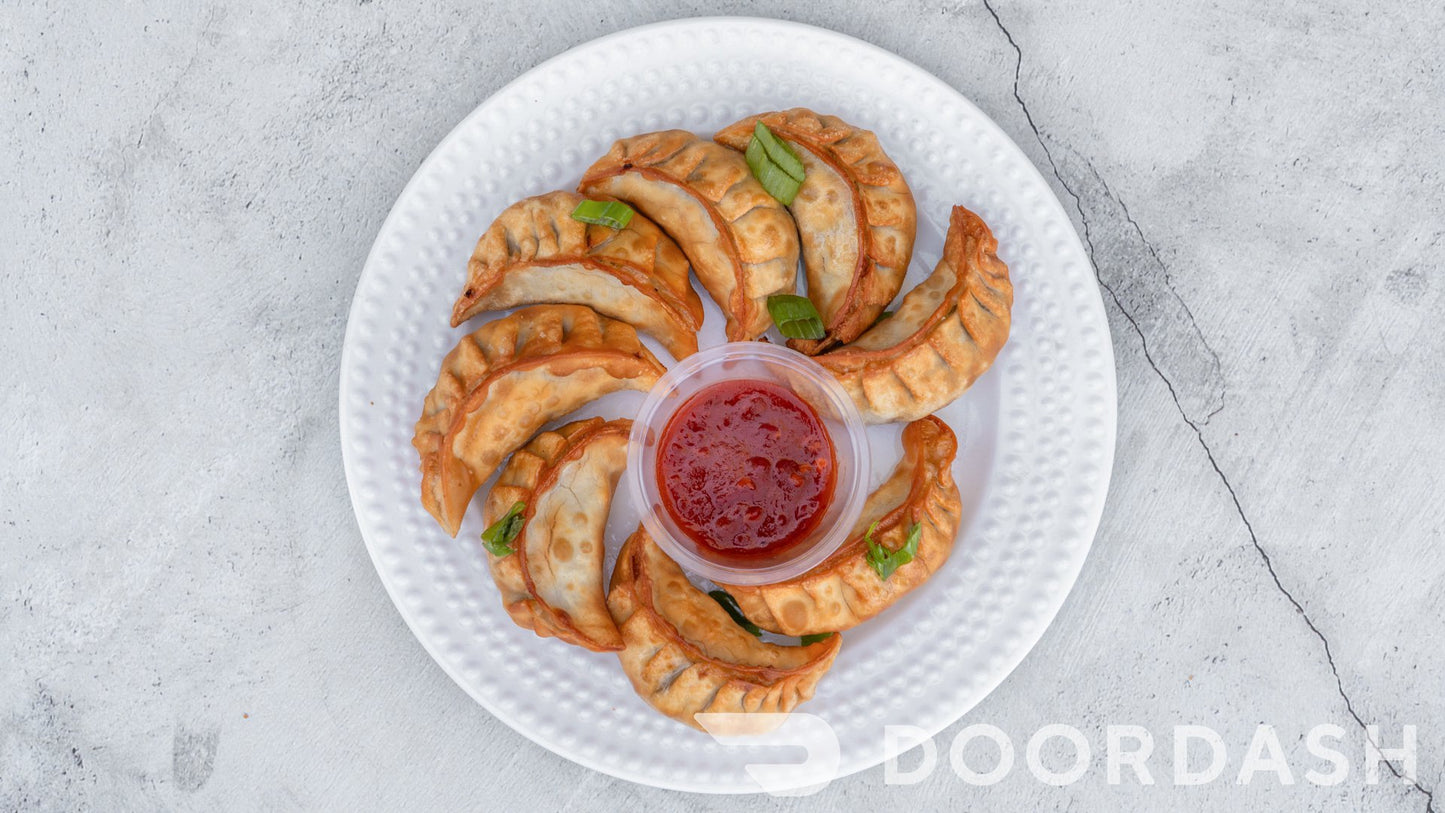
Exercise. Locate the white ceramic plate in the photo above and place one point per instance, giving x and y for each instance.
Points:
(1037, 430)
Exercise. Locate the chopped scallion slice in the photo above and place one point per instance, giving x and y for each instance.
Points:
(796, 317)
(776, 166)
(498, 536)
(609, 213)
(814, 638)
(731, 605)
(756, 154)
(884, 561)
(779, 151)
(782, 186)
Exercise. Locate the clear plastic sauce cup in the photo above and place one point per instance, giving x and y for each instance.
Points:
(752, 361)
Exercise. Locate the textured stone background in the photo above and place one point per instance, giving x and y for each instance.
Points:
(188, 618)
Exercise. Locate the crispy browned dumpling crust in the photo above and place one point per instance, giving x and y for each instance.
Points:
(507, 379)
(741, 242)
(684, 654)
(552, 581)
(855, 214)
(845, 590)
(945, 334)
(534, 252)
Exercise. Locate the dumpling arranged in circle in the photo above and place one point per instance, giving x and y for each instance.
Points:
(535, 252)
(506, 380)
(917, 506)
(945, 334)
(551, 580)
(855, 214)
(741, 242)
(685, 655)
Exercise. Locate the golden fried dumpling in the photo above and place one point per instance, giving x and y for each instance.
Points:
(502, 383)
(552, 581)
(845, 590)
(741, 242)
(855, 214)
(684, 654)
(945, 334)
(535, 252)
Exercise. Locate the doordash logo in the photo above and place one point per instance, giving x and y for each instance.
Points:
(1059, 755)
(1200, 756)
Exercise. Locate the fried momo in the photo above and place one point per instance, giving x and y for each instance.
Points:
(535, 252)
(503, 382)
(741, 242)
(684, 654)
(552, 581)
(845, 590)
(946, 333)
(855, 214)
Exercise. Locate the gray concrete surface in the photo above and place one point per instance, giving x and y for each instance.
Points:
(188, 618)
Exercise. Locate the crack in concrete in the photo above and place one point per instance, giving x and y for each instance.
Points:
(1088, 237)
(1196, 426)
(1164, 270)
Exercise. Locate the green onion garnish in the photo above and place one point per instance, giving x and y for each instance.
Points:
(731, 605)
(814, 638)
(609, 213)
(884, 561)
(796, 317)
(776, 166)
(776, 182)
(756, 154)
(498, 536)
(779, 151)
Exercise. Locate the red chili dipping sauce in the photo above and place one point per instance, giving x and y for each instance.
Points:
(746, 468)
